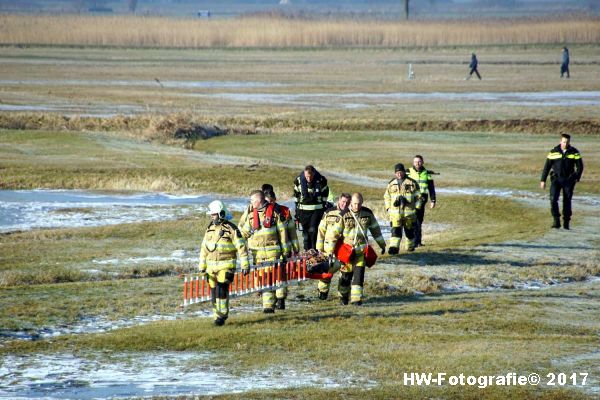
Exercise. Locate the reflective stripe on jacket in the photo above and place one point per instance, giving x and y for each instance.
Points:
(409, 189)
(222, 244)
(424, 180)
(563, 165)
(330, 230)
(318, 194)
(352, 233)
(267, 243)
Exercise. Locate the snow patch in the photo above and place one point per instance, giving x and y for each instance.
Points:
(359, 99)
(33, 209)
(146, 374)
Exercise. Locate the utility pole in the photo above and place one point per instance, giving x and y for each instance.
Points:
(406, 9)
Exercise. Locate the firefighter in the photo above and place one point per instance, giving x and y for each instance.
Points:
(285, 212)
(330, 231)
(311, 193)
(401, 200)
(423, 177)
(222, 244)
(565, 166)
(355, 225)
(268, 242)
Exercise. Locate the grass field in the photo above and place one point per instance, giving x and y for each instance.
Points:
(465, 303)
(302, 89)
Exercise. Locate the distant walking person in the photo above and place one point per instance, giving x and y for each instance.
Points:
(473, 66)
(565, 166)
(564, 67)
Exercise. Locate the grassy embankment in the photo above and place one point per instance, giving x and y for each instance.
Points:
(60, 260)
(235, 164)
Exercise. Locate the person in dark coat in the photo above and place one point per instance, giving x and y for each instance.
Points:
(473, 66)
(565, 167)
(564, 67)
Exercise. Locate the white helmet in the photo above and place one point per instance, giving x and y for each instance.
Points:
(216, 207)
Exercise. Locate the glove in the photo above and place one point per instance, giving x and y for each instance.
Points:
(203, 275)
(400, 201)
(246, 271)
(383, 250)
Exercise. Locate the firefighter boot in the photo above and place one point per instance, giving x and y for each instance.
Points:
(344, 300)
(219, 322)
(566, 224)
(280, 304)
(556, 223)
(323, 295)
(392, 251)
(268, 311)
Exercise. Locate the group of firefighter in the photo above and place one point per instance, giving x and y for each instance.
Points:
(268, 231)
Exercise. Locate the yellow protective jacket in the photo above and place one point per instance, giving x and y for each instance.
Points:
(290, 227)
(223, 243)
(410, 190)
(425, 182)
(289, 223)
(266, 243)
(330, 230)
(353, 235)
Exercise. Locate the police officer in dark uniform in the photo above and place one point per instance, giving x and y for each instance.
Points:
(565, 166)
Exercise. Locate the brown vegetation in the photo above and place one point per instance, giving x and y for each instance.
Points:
(189, 127)
(134, 31)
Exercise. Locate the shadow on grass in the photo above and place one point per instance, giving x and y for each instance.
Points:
(370, 309)
(445, 258)
(352, 313)
(538, 246)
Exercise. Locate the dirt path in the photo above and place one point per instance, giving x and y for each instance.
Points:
(557, 257)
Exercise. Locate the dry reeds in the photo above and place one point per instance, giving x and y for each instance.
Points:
(190, 127)
(131, 31)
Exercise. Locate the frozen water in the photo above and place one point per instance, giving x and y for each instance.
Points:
(101, 376)
(354, 100)
(303, 100)
(30, 209)
(139, 83)
(101, 324)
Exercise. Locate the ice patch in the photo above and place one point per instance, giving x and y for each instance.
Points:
(358, 99)
(84, 110)
(460, 287)
(139, 83)
(32, 209)
(147, 374)
(100, 324)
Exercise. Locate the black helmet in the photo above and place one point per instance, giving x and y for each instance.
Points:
(399, 167)
(267, 187)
